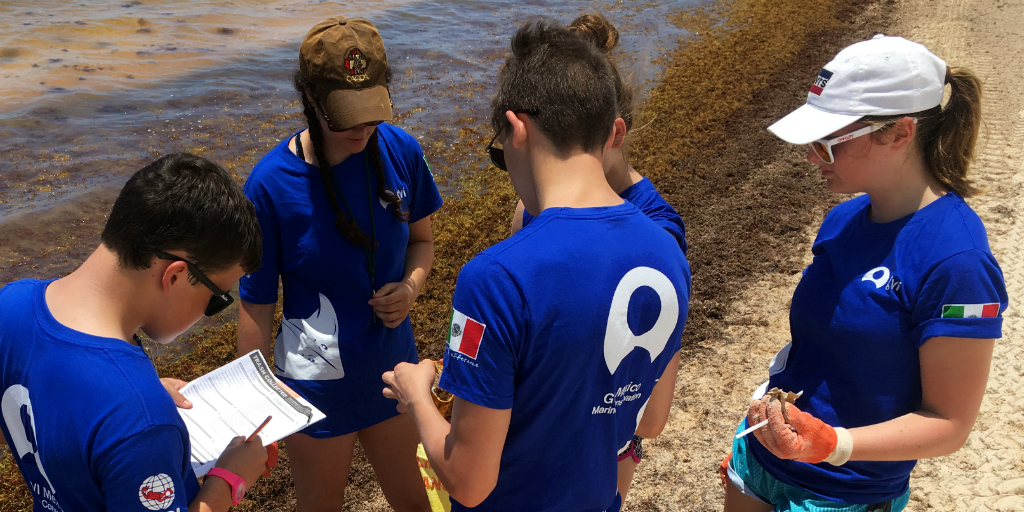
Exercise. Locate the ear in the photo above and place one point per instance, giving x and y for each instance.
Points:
(618, 135)
(175, 271)
(519, 133)
(902, 133)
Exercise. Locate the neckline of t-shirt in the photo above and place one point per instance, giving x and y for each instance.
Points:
(899, 223)
(56, 329)
(310, 167)
(592, 212)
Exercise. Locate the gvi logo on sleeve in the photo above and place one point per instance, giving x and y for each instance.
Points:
(157, 492)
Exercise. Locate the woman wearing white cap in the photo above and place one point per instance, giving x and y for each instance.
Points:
(344, 207)
(894, 322)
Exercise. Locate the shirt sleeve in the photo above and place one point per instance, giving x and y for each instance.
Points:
(148, 471)
(425, 199)
(964, 297)
(485, 335)
(260, 287)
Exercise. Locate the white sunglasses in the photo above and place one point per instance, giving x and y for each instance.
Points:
(823, 147)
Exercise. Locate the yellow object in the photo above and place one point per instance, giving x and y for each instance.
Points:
(436, 493)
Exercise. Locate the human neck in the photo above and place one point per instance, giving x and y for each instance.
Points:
(910, 188)
(98, 298)
(334, 153)
(574, 182)
(621, 175)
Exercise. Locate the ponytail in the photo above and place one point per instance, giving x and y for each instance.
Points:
(948, 138)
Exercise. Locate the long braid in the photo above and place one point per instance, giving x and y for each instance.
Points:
(373, 153)
(348, 227)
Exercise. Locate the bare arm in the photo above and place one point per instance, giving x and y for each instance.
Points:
(656, 414)
(465, 455)
(653, 421)
(393, 301)
(255, 323)
(517, 217)
(954, 373)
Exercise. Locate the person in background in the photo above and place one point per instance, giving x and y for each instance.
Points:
(345, 208)
(622, 177)
(894, 321)
(84, 413)
(548, 374)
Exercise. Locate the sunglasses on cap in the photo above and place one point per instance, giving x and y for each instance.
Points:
(498, 154)
(218, 301)
(823, 147)
(331, 126)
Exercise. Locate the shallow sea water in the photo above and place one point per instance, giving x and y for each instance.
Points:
(91, 92)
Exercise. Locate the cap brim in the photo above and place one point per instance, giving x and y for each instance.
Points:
(350, 107)
(808, 124)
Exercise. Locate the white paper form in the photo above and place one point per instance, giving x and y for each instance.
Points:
(232, 401)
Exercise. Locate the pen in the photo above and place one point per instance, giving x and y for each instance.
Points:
(257, 431)
(759, 425)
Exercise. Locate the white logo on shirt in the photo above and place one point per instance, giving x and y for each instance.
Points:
(21, 423)
(619, 339)
(157, 492)
(307, 349)
(880, 280)
(401, 193)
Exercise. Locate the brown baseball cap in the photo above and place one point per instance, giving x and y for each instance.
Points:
(346, 62)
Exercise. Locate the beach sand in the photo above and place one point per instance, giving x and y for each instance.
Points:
(716, 380)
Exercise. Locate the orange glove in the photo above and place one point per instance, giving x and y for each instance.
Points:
(723, 470)
(272, 453)
(803, 438)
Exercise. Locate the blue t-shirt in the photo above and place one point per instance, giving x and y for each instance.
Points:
(872, 296)
(86, 418)
(550, 323)
(330, 347)
(645, 197)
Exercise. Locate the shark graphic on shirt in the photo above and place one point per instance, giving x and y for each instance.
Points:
(307, 348)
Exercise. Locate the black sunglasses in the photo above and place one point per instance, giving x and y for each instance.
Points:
(218, 301)
(498, 154)
(332, 127)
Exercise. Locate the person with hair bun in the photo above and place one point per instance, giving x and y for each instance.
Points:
(548, 374)
(634, 188)
(345, 207)
(622, 177)
(894, 322)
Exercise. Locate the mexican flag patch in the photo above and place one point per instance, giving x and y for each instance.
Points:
(970, 310)
(465, 334)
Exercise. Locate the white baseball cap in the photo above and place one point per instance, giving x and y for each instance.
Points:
(882, 76)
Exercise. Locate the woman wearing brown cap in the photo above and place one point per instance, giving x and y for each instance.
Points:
(345, 209)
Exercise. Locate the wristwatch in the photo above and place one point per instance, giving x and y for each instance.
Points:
(235, 481)
(634, 450)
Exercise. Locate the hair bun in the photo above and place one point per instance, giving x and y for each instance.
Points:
(597, 29)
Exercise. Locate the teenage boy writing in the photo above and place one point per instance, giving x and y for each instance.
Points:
(86, 418)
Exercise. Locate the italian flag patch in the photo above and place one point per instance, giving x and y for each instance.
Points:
(465, 334)
(970, 310)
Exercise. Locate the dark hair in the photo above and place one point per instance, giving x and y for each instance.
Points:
(186, 203)
(598, 30)
(563, 81)
(946, 136)
(348, 227)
